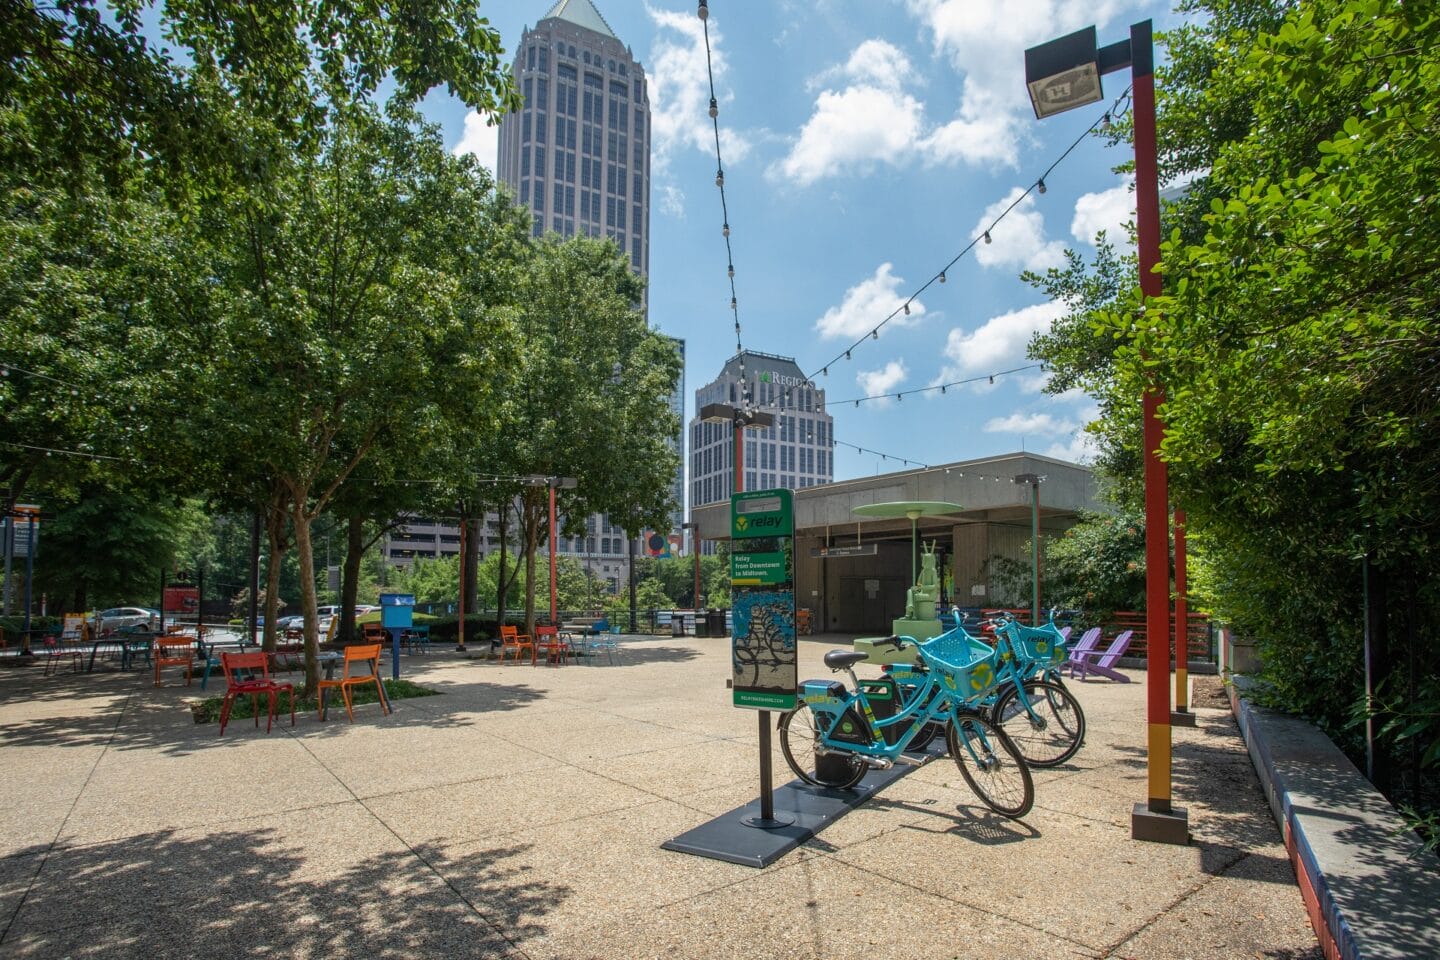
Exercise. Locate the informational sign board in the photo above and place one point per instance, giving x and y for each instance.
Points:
(853, 550)
(25, 521)
(763, 596)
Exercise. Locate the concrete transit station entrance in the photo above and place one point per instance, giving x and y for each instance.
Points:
(852, 572)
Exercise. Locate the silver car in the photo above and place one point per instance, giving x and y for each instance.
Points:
(117, 617)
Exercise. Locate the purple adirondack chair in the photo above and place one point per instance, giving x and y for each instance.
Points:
(1101, 663)
(1084, 645)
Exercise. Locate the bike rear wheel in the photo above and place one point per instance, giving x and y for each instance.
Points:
(1050, 730)
(991, 765)
(799, 739)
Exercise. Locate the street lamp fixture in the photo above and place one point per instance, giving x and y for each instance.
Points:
(1058, 75)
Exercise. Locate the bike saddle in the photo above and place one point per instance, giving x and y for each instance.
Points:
(844, 659)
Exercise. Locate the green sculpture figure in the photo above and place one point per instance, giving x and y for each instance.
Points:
(920, 599)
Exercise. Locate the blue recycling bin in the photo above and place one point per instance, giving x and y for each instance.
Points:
(397, 614)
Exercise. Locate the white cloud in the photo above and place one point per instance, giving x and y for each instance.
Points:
(1042, 424)
(680, 92)
(1019, 239)
(481, 139)
(672, 200)
(884, 380)
(866, 304)
(975, 137)
(870, 121)
(998, 344)
(1109, 210)
(1081, 448)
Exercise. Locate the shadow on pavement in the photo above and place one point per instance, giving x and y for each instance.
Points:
(236, 893)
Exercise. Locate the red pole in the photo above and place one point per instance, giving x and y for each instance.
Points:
(1157, 506)
(460, 625)
(554, 618)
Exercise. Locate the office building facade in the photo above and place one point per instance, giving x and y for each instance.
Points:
(578, 152)
(797, 452)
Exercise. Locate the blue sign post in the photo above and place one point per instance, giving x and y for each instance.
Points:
(397, 614)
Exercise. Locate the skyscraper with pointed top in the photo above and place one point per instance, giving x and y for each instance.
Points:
(578, 152)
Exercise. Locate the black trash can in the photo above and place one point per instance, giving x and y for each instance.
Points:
(702, 624)
(677, 624)
(716, 621)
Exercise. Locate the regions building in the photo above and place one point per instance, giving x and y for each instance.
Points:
(797, 452)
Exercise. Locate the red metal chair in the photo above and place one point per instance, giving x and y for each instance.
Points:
(548, 639)
(249, 664)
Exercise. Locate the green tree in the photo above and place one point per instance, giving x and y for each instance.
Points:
(1296, 340)
(591, 396)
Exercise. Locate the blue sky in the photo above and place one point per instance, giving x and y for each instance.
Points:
(865, 144)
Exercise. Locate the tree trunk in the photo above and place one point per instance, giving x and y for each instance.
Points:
(350, 576)
(504, 585)
(470, 562)
(308, 602)
(275, 535)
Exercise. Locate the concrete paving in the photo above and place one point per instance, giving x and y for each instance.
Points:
(521, 815)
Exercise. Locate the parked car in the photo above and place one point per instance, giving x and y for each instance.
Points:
(117, 617)
(293, 622)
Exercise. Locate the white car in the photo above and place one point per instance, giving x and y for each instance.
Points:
(117, 617)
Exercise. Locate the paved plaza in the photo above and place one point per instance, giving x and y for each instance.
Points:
(521, 813)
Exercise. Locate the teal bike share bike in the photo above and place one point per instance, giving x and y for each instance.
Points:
(836, 735)
(1033, 706)
(1028, 702)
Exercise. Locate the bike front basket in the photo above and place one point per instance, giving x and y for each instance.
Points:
(1037, 644)
(965, 665)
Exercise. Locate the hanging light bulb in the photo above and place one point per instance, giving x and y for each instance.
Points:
(732, 304)
(992, 379)
(942, 388)
(1041, 185)
(824, 371)
(942, 276)
(987, 237)
(714, 109)
(1105, 121)
(875, 334)
(907, 308)
(731, 271)
(857, 403)
(847, 354)
(725, 231)
(704, 12)
(900, 396)
(720, 178)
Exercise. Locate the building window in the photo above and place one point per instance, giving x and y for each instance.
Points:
(544, 59)
(530, 58)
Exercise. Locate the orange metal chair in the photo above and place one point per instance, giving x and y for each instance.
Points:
(512, 639)
(356, 653)
(236, 664)
(548, 639)
(374, 633)
(174, 650)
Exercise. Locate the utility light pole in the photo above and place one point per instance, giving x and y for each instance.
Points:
(1061, 75)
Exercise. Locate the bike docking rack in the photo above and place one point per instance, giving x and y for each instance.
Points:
(809, 810)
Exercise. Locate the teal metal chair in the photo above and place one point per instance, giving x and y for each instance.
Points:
(416, 639)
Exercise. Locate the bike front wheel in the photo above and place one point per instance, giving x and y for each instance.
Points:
(991, 765)
(1046, 725)
(799, 740)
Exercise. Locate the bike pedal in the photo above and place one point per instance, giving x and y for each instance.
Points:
(877, 763)
(910, 761)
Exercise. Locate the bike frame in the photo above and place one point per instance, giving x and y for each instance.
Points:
(919, 709)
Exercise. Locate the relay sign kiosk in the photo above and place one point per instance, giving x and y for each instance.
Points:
(397, 614)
